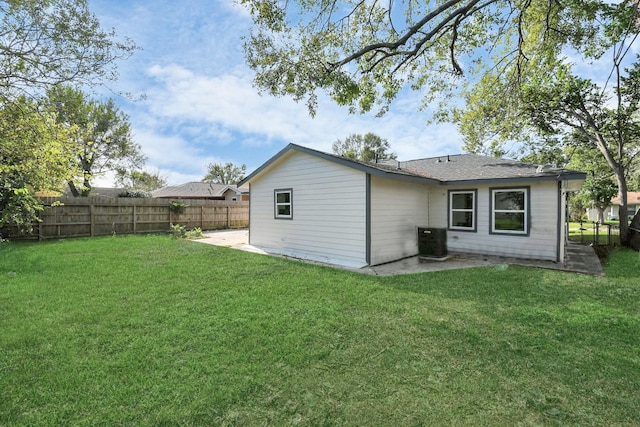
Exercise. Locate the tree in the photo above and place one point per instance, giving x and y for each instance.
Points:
(52, 42)
(102, 132)
(363, 53)
(600, 191)
(42, 44)
(34, 156)
(140, 180)
(585, 118)
(227, 173)
(367, 148)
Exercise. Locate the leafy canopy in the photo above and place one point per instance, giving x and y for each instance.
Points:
(34, 155)
(140, 180)
(363, 53)
(367, 148)
(227, 173)
(102, 132)
(49, 42)
(43, 44)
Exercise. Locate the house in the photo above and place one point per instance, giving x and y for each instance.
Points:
(99, 192)
(612, 212)
(201, 190)
(318, 206)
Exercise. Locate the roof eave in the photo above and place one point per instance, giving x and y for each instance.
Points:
(579, 176)
(341, 161)
(403, 175)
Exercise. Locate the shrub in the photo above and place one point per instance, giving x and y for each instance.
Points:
(196, 233)
(178, 230)
(140, 194)
(178, 207)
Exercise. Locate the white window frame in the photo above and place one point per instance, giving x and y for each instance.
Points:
(473, 210)
(277, 204)
(525, 211)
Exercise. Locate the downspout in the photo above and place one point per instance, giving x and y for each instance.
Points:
(561, 238)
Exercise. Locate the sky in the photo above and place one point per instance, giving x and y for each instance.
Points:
(194, 102)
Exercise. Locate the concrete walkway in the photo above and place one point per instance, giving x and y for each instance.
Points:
(580, 258)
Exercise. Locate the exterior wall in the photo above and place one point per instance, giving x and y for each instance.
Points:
(328, 211)
(229, 195)
(397, 209)
(612, 212)
(541, 243)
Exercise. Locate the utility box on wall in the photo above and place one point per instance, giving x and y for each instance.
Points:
(432, 242)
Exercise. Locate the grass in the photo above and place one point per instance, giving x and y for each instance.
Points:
(149, 330)
(587, 234)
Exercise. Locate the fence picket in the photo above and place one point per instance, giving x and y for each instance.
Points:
(95, 216)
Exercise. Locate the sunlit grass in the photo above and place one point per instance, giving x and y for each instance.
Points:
(149, 330)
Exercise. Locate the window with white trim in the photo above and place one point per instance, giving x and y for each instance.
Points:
(510, 210)
(462, 210)
(283, 203)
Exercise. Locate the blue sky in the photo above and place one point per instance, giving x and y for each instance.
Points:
(200, 107)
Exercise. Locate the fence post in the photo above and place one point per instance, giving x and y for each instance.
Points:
(201, 217)
(228, 218)
(92, 220)
(134, 219)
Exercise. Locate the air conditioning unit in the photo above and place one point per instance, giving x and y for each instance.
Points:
(432, 242)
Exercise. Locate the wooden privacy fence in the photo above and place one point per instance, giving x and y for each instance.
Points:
(95, 216)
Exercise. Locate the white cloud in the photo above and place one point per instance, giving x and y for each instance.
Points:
(228, 104)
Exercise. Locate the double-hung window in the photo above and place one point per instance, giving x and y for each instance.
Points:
(462, 210)
(510, 210)
(283, 203)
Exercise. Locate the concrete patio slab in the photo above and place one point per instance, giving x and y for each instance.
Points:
(581, 259)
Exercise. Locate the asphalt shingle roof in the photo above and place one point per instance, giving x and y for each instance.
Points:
(473, 167)
(194, 190)
(452, 169)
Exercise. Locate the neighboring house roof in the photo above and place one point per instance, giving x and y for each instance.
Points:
(195, 190)
(633, 198)
(442, 170)
(98, 191)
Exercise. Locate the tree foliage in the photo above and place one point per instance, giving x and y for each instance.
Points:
(140, 180)
(519, 87)
(598, 126)
(227, 173)
(102, 133)
(599, 191)
(363, 53)
(44, 44)
(51, 42)
(34, 155)
(367, 148)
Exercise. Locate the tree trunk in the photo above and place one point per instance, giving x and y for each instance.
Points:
(73, 189)
(622, 211)
(600, 218)
(86, 186)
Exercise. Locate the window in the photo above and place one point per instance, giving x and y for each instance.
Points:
(510, 211)
(462, 210)
(283, 203)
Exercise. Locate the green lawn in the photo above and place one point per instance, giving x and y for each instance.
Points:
(148, 330)
(588, 233)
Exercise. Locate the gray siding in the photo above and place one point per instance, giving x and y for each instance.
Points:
(397, 210)
(541, 243)
(329, 208)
